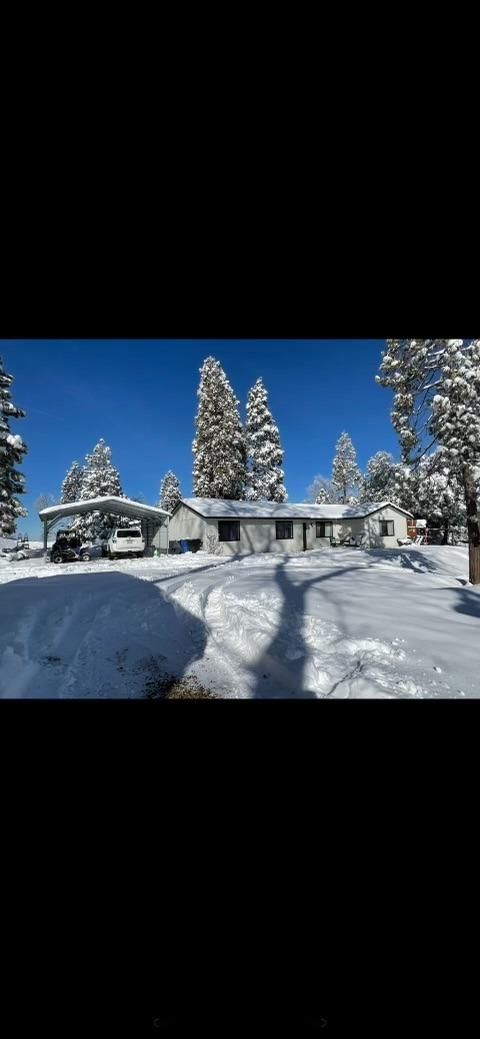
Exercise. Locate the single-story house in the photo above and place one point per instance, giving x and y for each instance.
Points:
(266, 526)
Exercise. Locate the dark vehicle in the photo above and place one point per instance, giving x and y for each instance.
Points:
(68, 548)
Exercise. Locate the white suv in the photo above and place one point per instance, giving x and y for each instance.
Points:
(125, 541)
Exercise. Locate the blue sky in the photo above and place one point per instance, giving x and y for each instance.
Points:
(140, 396)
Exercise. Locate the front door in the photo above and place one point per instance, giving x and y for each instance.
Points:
(304, 537)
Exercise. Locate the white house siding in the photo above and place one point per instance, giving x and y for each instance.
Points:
(256, 535)
(187, 525)
(372, 526)
(259, 535)
(159, 540)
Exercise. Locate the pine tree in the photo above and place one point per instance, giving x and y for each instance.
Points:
(12, 451)
(219, 469)
(345, 472)
(170, 492)
(379, 482)
(405, 491)
(322, 497)
(437, 494)
(72, 484)
(436, 385)
(100, 479)
(264, 452)
(322, 492)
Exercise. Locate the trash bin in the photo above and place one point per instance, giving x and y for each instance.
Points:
(184, 546)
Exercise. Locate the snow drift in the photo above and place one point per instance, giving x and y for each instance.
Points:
(325, 624)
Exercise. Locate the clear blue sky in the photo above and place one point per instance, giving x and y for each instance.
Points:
(141, 398)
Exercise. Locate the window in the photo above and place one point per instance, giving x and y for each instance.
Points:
(229, 530)
(387, 528)
(284, 530)
(324, 530)
(128, 534)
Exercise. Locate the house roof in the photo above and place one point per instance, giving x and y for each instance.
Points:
(109, 503)
(220, 508)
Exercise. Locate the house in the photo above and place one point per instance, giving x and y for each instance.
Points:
(266, 526)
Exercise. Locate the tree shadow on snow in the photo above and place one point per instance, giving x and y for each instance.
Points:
(185, 573)
(410, 559)
(99, 622)
(280, 670)
(467, 600)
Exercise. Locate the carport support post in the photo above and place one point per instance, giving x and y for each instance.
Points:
(45, 536)
(168, 521)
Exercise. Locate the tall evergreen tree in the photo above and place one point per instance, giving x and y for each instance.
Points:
(379, 482)
(219, 469)
(345, 472)
(72, 484)
(436, 385)
(12, 451)
(436, 494)
(264, 452)
(170, 492)
(100, 479)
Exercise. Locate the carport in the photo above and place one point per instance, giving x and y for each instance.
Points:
(154, 522)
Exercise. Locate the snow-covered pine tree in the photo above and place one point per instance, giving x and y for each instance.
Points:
(170, 492)
(322, 492)
(404, 493)
(219, 469)
(345, 472)
(12, 451)
(264, 453)
(379, 481)
(436, 385)
(437, 494)
(100, 478)
(322, 497)
(72, 484)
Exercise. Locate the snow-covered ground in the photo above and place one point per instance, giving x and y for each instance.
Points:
(344, 623)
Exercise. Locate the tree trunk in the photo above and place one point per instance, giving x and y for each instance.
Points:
(445, 532)
(473, 525)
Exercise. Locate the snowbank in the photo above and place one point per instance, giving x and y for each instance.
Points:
(347, 623)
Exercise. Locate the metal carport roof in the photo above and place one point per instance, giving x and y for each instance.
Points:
(111, 504)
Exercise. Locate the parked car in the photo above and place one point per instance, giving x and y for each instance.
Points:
(124, 541)
(68, 548)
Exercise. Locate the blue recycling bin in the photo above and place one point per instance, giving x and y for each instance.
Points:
(184, 546)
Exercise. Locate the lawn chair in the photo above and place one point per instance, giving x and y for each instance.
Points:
(341, 542)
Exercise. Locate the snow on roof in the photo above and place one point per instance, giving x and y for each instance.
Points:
(109, 503)
(219, 508)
